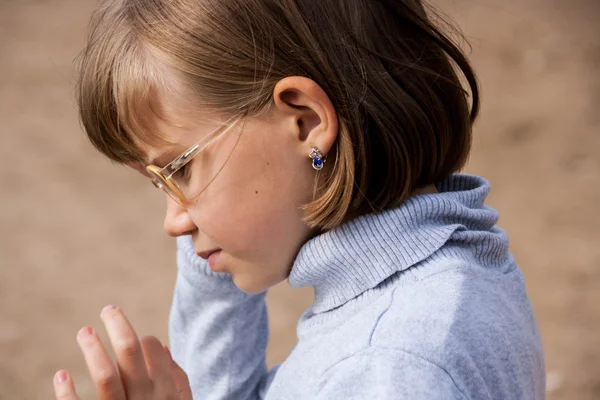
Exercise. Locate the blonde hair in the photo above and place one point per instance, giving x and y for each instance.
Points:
(404, 117)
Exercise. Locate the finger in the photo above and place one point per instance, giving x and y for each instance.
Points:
(64, 389)
(182, 382)
(130, 358)
(159, 366)
(102, 370)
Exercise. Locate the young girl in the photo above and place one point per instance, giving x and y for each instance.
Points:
(318, 142)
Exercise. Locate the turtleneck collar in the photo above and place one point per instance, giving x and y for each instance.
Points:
(357, 256)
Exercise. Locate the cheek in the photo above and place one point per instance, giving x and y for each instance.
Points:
(253, 208)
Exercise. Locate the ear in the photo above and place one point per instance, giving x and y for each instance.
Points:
(312, 111)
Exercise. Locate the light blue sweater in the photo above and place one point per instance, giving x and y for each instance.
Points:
(423, 301)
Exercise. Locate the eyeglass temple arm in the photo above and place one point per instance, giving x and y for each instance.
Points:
(183, 159)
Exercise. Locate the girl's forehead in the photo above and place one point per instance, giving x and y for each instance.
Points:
(179, 123)
(179, 113)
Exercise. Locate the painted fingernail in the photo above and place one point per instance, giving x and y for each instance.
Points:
(168, 351)
(86, 331)
(108, 308)
(60, 377)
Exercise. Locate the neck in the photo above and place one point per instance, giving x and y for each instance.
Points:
(348, 260)
(429, 189)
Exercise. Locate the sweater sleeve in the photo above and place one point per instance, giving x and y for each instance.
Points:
(383, 373)
(218, 333)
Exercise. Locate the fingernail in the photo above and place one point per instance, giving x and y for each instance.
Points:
(108, 308)
(86, 331)
(168, 351)
(60, 377)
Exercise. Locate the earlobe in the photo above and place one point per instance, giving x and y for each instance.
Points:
(318, 159)
(312, 110)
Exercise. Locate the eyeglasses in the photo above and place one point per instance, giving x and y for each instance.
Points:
(174, 178)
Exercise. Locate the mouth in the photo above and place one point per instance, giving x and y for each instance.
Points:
(212, 256)
(205, 254)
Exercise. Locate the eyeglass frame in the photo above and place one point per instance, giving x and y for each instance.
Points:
(166, 172)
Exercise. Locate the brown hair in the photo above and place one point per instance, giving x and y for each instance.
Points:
(404, 116)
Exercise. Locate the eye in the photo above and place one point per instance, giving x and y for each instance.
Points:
(183, 172)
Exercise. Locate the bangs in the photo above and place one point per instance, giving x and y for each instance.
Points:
(118, 89)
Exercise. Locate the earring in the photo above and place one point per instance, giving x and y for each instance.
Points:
(318, 159)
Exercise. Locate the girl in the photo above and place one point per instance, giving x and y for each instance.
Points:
(318, 142)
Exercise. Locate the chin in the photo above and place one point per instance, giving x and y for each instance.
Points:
(252, 285)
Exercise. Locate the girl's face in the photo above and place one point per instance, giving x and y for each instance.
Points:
(251, 210)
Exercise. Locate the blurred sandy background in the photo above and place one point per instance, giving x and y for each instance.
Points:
(77, 233)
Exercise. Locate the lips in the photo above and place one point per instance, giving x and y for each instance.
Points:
(207, 253)
(213, 261)
(212, 256)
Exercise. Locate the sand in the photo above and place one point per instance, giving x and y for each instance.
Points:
(77, 233)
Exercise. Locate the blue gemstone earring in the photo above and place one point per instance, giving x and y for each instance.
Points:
(318, 159)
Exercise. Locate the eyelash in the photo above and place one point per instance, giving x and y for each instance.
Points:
(182, 172)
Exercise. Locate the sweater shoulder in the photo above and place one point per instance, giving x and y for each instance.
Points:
(456, 298)
(476, 324)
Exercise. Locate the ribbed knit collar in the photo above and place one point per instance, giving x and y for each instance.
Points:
(355, 257)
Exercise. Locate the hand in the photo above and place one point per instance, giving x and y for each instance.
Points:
(144, 370)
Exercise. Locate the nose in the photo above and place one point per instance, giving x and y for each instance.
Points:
(178, 221)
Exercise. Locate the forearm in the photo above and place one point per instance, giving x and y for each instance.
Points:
(218, 333)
